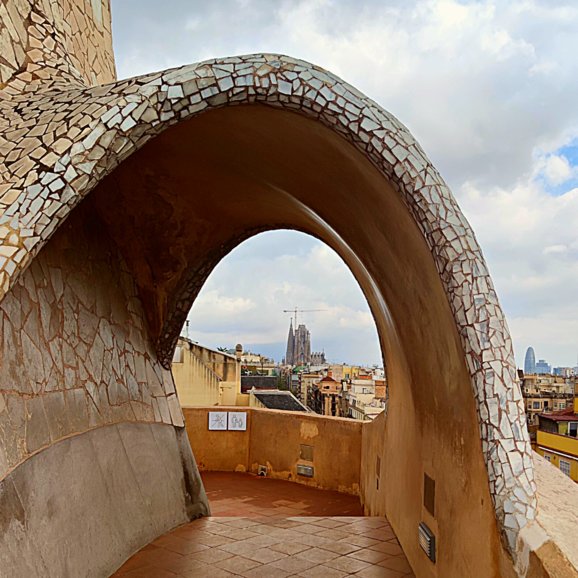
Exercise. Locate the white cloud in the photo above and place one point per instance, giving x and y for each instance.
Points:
(244, 298)
(487, 87)
(557, 169)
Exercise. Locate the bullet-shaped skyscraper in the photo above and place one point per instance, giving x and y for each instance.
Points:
(530, 361)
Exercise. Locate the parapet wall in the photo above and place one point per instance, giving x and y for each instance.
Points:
(281, 440)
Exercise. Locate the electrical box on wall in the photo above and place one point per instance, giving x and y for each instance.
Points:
(429, 494)
(427, 541)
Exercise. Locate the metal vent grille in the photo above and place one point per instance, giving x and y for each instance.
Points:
(304, 470)
(427, 541)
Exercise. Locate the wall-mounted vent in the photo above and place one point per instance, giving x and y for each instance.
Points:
(262, 470)
(427, 541)
(304, 470)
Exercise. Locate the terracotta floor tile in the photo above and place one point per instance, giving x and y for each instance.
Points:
(317, 555)
(241, 534)
(149, 572)
(266, 571)
(239, 548)
(347, 564)
(266, 555)
(328, 523)
(334, 534)
(378, 572)
(198, 569)
(289, 548)
(213, 540)
(210, 572)
(361, 541)
(358, 529)
(309, 529)
(264, 528)
(263, 540)
(379, 534)
(323, 571)
(262, 494)
(287, 524)
(388, 548)
(341, 548)
(292, 564)
(241, 523)
(373, 521)
(315, 541)
(398, 563)
(212, 555)
(137, 561)
(371, 556)
(237, 564)
(186, 547)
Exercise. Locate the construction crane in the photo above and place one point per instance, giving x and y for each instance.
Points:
(294, 311)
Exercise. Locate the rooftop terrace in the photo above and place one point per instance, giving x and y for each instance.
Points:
(264, 527)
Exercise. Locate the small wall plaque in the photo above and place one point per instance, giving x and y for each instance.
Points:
(238, 420)
(217, 420)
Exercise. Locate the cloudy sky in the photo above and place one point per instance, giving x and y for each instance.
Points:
(487, 87)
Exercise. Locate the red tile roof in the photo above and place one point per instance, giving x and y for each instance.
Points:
(562, 415)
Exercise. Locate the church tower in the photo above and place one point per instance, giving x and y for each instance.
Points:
(290, 345)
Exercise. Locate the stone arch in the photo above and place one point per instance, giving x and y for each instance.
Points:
(124, 117)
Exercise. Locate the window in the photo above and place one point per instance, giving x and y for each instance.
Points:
(536, 405)
(565, 467)
(573, 429)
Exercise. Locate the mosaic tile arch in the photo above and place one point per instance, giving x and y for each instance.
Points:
(60, 139)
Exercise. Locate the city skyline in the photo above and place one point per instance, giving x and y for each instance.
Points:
(484, 87)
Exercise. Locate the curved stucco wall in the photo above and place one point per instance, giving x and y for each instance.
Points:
(77, 373)
(87, 503)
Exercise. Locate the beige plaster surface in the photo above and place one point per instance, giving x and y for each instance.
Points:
(87, 503)
(558, 508)
(273, 439)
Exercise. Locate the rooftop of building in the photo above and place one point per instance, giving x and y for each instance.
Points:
(183, 339)
(567, 414)
(273, 399)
